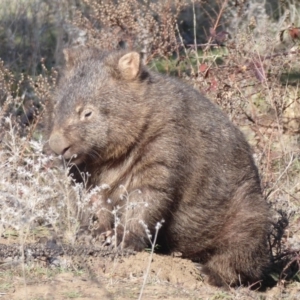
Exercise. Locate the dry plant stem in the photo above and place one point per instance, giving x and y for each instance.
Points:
(69, 198)
(126, 219)
(149, 263)
(284, 171)
(23, 236)
(195, 37)
(185, 51)
(216, 24)
(30, 133)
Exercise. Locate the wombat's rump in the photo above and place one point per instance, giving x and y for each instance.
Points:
(177, 156)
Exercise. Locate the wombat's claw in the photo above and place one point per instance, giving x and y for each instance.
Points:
(106, 238)
(108, 241)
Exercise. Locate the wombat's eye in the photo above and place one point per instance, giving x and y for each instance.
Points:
(86, 113)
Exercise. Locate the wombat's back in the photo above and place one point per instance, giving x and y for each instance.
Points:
(221, 216)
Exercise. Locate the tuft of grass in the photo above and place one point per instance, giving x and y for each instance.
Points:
(72, 294)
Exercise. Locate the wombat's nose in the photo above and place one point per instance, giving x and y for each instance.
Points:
(58, 143)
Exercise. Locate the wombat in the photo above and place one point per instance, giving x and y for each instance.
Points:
(175, 155)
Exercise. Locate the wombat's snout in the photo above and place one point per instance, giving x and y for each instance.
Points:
(60, 145)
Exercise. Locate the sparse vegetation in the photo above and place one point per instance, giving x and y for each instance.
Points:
(244, 57)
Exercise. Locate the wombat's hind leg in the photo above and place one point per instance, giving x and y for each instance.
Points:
(234, 269)
(212, 277)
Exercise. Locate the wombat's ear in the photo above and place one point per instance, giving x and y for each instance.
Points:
(129, 65)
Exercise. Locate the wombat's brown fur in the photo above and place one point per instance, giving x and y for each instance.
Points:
(178, 157)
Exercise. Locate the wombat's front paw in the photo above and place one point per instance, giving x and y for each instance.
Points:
(121, 240)
(100, 238)
(133, 241)
(107, 239)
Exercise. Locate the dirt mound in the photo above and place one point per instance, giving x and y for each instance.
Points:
(174, 270)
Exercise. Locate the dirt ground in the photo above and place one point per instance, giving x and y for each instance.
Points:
(105, 279)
